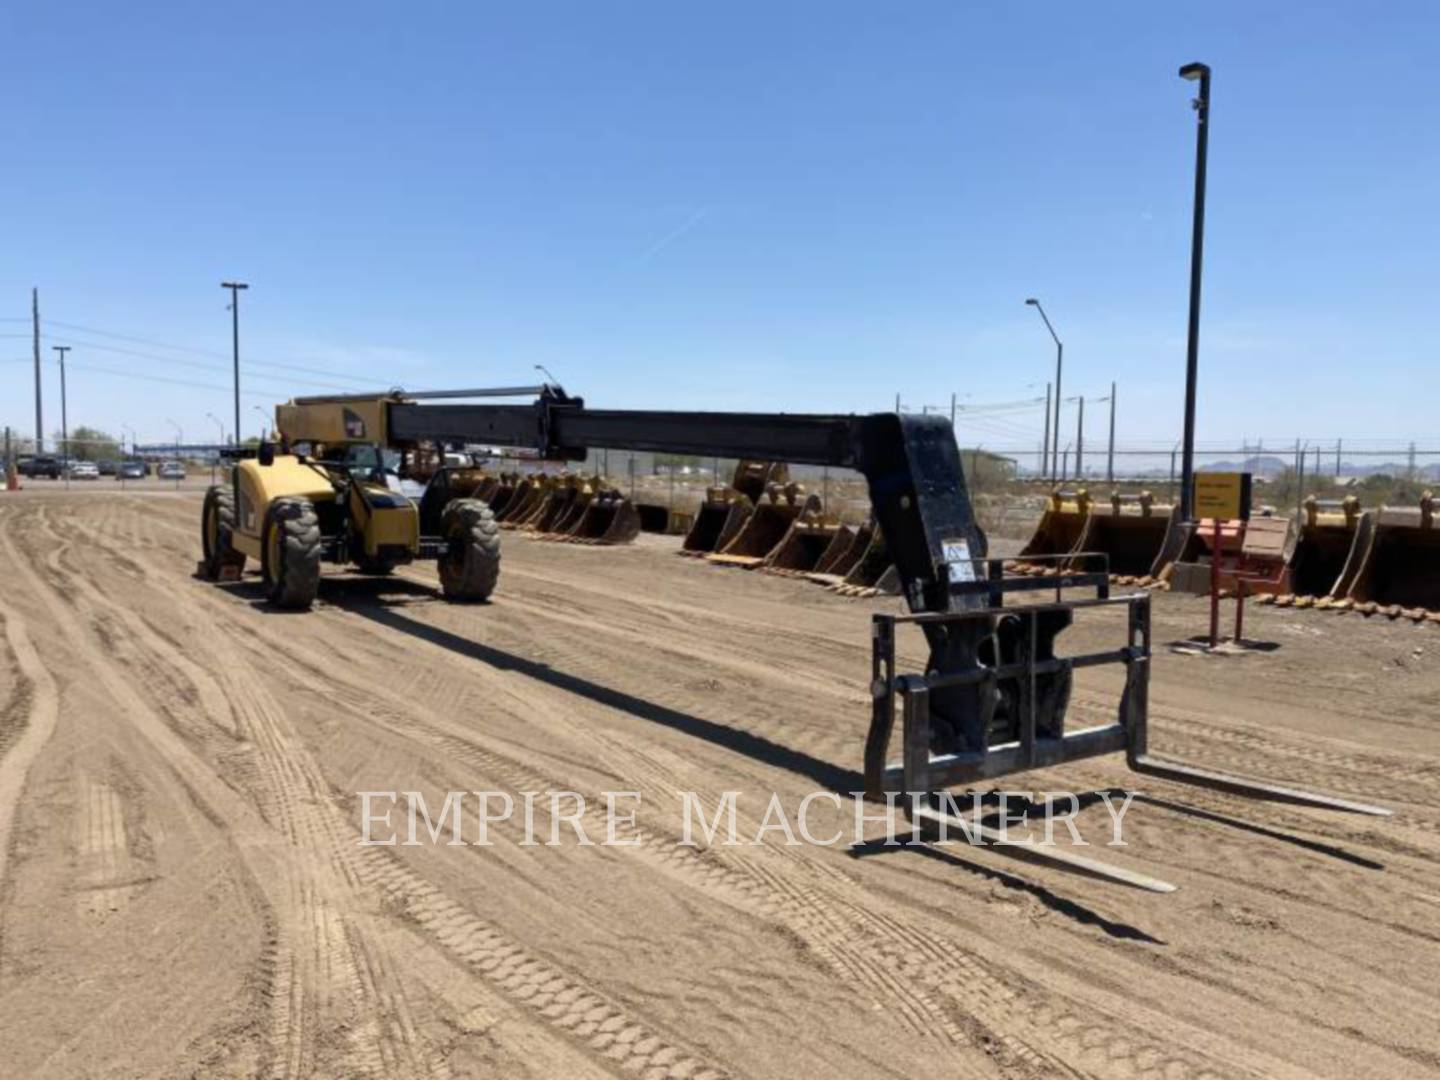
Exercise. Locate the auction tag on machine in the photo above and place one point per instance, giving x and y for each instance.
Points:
(957, 558)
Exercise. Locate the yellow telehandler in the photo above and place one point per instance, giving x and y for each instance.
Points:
(342, 488)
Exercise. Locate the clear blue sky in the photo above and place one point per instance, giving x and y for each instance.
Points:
(798, 206)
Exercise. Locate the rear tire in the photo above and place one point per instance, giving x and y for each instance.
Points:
(290, 541)
(470, 566)
(217, 526)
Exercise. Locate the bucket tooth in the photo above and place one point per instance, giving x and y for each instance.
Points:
(871, 571)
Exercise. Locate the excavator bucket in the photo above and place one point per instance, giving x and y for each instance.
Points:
(527, 490)
(806, 542)
(569, 516)
(1333, 536)
(835, 551)
(1135, 534)
(844, 554)
(556, 503)
(874, 572)
(753, 478)
(767, 526)
(1399, 571)
(609, 518)
(503, 493)
(1057, 533)
(720, 518)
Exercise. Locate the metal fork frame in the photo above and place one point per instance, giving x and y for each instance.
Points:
(920, 771)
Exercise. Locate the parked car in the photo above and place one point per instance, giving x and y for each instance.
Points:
(171, 470)
(41, 466)
(84, 470)
(108, 467)
(130, 470)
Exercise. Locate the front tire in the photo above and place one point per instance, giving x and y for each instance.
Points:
(290, 541)
(217, 526)
(470, 566)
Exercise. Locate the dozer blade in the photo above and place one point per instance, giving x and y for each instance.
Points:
(766, 527)
(718, 521)
(806, 542)
(1057, 532)
(1399, 571)
(609, 518)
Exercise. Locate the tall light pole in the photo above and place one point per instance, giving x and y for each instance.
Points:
(235, 287)
(1059, 363)
(546, 372)
(218, 423)
(264, 430)
(1110, 457)
(179, 436)
(1193, 73)
(64, 420)
(134, 439)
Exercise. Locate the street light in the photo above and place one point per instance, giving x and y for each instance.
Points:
(546, 372)
(219, 424)
(264, 430)
(1059, 362)
(235, 287)
(1195, 73)
(64, 421)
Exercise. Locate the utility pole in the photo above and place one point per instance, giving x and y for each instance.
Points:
(64, 421)
(1045, 450)
(1337, 458)
(952, 410)
(897, 404)
(39, 419)
(1110, 455)
(235, 287)
(1201, 103)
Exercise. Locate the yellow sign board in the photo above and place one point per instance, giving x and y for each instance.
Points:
(1223, 495)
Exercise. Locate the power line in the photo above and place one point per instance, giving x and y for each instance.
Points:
(196, 351)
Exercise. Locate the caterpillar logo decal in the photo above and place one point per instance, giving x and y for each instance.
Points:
(354, 426)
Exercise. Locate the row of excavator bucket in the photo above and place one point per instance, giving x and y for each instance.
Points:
(570, 508)
(1338, 558)
(1140, 538)
(762, 522)
(1384, 561)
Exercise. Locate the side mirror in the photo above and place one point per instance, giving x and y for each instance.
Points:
(266, 455)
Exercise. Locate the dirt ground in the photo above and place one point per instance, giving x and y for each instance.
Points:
(182, 891)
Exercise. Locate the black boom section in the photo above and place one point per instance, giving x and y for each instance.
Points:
(794, 437)
(911, 464)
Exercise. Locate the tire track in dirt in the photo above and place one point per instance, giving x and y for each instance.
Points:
(862, 947)
(299, 805)
(30, 715)
(1075, 1027)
